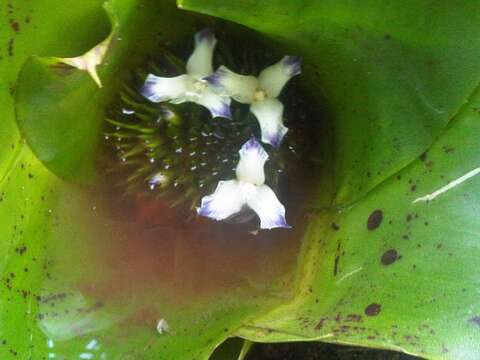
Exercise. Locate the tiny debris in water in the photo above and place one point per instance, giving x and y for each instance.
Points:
(162, 326)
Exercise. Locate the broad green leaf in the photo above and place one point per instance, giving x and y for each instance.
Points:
(27, 30)
(25, 213)
(399, 268)
(391, 74)
(50, 118)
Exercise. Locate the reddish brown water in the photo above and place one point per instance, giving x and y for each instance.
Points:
(123, 263)
(156, 246)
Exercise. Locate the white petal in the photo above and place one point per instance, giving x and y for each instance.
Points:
(225, 201)
(252, 160)
(199, 64)
(219, 105)
(273, 78)
(264, 202)
(173, 89)
(269, 113)
(240, 87)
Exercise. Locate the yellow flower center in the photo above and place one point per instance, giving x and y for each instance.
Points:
(259, 95)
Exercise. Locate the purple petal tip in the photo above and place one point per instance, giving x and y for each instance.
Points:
(147, 90)
(276, 139)
(279, 222)
(282, 223)
(213, 79)
(204, 209)
(223, 111)
(252, 144)
(294, 65)
(205, 35)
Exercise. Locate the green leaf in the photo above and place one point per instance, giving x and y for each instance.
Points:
(27, 189)
(27, 194)
(60, 108)
(63, 135)
(395, 270)
(390, 79)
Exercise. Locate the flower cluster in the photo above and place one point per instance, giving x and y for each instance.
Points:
(214, 90)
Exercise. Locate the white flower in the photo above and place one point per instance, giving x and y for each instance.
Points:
(261, 93)
(248, 189)
(191, 87)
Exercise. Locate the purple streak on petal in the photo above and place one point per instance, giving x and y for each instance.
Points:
(223, 111)
(280, 222)
(205, 209)
(215, 79)
(276, 139)
(293, 64)
(205, 35)
(148, 91)
(153, 181)
(252, 145)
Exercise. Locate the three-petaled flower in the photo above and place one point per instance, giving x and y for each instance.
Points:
(249, 189)
(261, 93)
(191, 87)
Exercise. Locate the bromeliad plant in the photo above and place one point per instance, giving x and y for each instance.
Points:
(379, 267)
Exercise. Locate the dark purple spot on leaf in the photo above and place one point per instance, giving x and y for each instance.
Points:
(475, 320)
(10, 47)
(374, 220)
(335, 267)
(14, 25)
(373, 309)
(354, 317)
(320, 324)
(389, 257)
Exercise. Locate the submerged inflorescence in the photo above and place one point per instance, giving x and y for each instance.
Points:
(183, 152)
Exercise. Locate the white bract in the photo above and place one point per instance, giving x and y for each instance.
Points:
(191, 87)
(249, 189)
(90, 60)
(261, 93)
